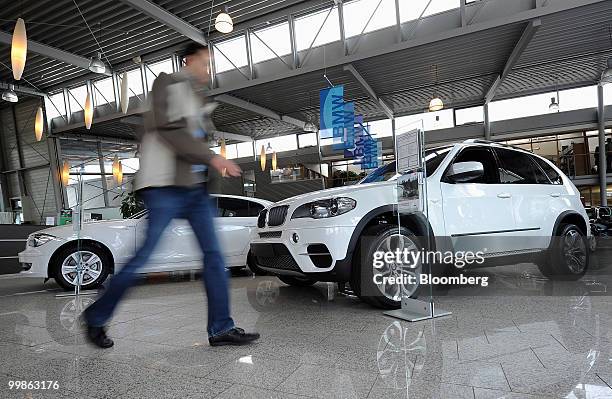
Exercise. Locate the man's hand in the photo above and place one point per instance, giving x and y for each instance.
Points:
(222, 164)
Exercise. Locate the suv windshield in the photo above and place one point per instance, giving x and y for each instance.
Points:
(433, 159)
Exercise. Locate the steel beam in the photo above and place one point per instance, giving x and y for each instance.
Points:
(381, 103)
(52, 52)
(601, 120)
(518, 50)
(24, 90)
(258, 109)
(168, 19)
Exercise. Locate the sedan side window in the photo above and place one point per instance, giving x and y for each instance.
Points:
(517, 167)
(486, 158)
(233, 207)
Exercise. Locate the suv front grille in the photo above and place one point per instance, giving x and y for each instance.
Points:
(277, 215)
(261, 219)
(282, 262)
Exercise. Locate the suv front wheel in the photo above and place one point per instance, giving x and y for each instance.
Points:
(384, 238)
(568, 256)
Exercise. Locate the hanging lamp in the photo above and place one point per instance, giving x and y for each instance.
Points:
(274, 160)
(223, 22)
(65, 173)
(115, 164)
(19, 49)
(38, 124)
(262, 158)
(223, 152)
(124, 95)
(118, 173)
(88, 111)
(10, 95)
(436, 103)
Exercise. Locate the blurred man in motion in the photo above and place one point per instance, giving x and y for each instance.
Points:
(177, 168)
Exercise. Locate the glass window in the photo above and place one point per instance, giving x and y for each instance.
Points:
(245, 149)
(275, 37)
(134, 82)
(232, 51)
(582, 97)
(155, 69)
(358, 12)
(307, 140)
(517, 168)
(306, 29)
(607, 89)
(520, 107)
(469, 115)
(411, 10)
(235, 207)
(552, 174)
(231, 151)
(486, 158)
(54, 106)
(77, 97)
(278, 144)
(381, 128)
(103, 92)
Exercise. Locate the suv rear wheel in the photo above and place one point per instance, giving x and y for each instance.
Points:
(385, 238)
(568, 256)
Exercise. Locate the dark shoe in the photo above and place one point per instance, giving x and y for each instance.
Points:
(235, 336)
(97, 336)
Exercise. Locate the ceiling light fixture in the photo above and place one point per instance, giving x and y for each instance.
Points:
(10, 95)
(554, 105)
(88, 111)
(38, 124)
(274, 160)
(309, 126)
(269, 149)
(19, 49)
(262, 158)
(96, 65)
(223, 22)
(65, 173)
(436, 103)
(118, 173)
(124, 95)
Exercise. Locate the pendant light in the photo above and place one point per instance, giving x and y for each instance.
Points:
(10, 95)
(65, 173)
(38, 124)
(269, 149)
(436, 103)
(310, 127)
(115, 164)
(124, 95)
(262, 158)
(554, 101)
(96, 65)
(19, 49)
(274, 160)
(223, 152)
(223, 22)
(88, 111)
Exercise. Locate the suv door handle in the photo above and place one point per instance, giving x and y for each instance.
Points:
(504, 195)
(555, 195)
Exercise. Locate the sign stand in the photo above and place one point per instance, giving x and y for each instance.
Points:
(412, 198)
(77, 220)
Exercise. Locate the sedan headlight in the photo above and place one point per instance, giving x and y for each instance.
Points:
(38, 239)
(325, 208)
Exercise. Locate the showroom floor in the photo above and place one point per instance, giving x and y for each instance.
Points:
(522, 337)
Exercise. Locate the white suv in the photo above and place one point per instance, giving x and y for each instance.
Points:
(484, 197)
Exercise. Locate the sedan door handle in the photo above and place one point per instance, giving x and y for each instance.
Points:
(504, 195)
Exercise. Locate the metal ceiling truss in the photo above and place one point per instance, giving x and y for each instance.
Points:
(381, 103)
(249, 106)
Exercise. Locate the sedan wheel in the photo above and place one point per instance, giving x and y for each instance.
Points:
(91, 261)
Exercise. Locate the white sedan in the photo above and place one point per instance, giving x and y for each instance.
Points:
(106, 246)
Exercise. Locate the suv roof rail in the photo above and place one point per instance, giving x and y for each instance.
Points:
(481, 141)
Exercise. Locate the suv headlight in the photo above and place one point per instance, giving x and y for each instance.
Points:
(38, 239)
(325, 208)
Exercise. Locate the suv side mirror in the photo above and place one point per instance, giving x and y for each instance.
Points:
(464, 172)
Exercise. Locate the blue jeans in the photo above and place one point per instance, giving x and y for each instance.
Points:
(163, 205)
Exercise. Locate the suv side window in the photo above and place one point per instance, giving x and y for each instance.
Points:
(550, 172)
(517, 167)
(484, 156)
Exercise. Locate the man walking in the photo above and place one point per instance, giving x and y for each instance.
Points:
(174, 162)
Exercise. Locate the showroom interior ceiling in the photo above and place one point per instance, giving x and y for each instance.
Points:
(569, 49)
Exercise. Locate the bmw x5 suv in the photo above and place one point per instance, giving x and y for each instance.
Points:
(506, 203)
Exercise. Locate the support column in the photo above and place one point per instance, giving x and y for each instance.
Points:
(22, 185)
(103, 175)
(603, 184)
(59, 192)
(487, 122)
(294, 54)
(4, 195)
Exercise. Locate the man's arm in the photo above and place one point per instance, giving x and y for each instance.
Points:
(170, 123)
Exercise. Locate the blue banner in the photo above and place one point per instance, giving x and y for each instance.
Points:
(331, 121)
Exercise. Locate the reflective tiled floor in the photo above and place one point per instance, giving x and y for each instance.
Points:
(521, 337)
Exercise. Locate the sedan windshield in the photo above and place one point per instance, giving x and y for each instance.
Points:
(433, 159)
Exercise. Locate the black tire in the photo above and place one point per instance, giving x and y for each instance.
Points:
(568, 256)
(88, 282)
(297, 281)
(252, 265)
(362, 274)
(236, 271)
